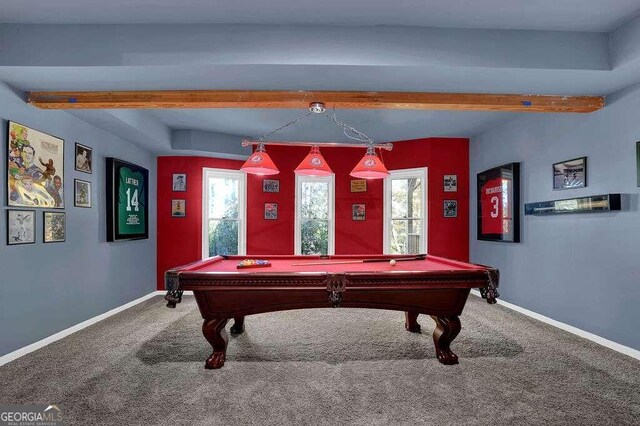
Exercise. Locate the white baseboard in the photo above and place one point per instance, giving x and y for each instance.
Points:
(64, 333)
(633, 353)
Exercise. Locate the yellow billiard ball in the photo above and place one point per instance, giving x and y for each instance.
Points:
(392, 262)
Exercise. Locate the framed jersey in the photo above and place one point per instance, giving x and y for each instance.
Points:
(499, 204)
(127, 201)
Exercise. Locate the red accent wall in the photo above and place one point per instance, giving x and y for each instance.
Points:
(180, 239)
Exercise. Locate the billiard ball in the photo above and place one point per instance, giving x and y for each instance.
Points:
(392, 262)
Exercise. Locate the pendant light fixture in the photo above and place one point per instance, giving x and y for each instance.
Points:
(314, 164)
(259, 163)
(370, 167)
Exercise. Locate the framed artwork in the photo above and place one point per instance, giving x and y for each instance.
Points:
(127, 201)
(570, 174)
(84, 158)
(270, 185)
(81, 193)
(35, 168)
(638, 160)
(450, 208)
(178, 208)
(270, 211)
(179, 182)
(21, 227)
(54, 227)
(450, 183)
(499, 204)
(358, 212)
(358, 185)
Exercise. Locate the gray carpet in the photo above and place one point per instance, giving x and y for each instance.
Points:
(328, 367)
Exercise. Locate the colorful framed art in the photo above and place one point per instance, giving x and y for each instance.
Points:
(178, 208)
(270, 185)
(450, 208)
(81, 193)
(499, 204)
(270, 211)
(358, 212)
(54, 227)
(35, 168)
(127, 201)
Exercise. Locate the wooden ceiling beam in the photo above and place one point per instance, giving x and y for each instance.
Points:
(302, 99)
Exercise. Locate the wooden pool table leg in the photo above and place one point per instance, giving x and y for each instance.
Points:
(216, 335)
(447, 328)
(238, 325)
(411, 322)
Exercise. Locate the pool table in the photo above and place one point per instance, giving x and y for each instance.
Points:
(421, 284)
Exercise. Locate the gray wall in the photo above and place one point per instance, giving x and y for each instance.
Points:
(583, 270)
(46, 288)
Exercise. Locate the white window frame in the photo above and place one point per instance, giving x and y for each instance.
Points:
(331, 214)
(421, 173)
(242, 207)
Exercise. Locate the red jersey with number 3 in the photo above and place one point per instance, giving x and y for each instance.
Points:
(491, 205)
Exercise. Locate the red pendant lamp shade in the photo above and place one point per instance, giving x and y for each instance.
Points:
(370, 167)
(259, 163)
(314, 164)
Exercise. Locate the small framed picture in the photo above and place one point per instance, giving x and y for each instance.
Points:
(54, 227)
(179, 182)
(270, 211)
(358, 212)
(178, 208)
(81, 193)
(450, 183)
(450, 208)
(570, 174)
(638, 160)
(358, 185)
(84, 158)
(270, 185)
(21, 227)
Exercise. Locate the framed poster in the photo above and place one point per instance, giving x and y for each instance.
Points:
(35, 168)
(358, 185)
(638, 160)
(499, 204)
(179, 182)
(84, 158)
(450, 208)
(127, 201)
(21, 227)
(178, 208)
(270, 185)
(270, 211)
(570, 174)
(450, 183)
(358, 212)
(81, 193)
(54, 227)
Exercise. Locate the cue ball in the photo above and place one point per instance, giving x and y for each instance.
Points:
(392, 262)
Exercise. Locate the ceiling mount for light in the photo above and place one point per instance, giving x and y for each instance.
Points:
(370, 167)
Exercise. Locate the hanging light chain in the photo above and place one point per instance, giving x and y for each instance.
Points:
(359, 136)
(291, 123)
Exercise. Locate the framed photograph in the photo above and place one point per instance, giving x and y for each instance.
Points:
(358, 212)
(178, 208)
(81, 193)
(570, 174)
(450, 183)
(270, 185)
(35, 168)
(54, 227)
(21, 227)
(127, 201)
(450, 208)
(179, 182)
(358, 185)
(499, 204)
(638, 160)
(270, 211)
(84, 158)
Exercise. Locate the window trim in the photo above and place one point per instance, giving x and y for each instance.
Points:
(331, 179)
(420, 172)
(242, 207)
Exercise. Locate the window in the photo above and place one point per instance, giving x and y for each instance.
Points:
(314, 223)
(224, 212)
(405, 218)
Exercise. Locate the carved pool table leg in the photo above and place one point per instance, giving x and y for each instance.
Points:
(216, 335)
(238, 325)
(447, 328)
(411, 322)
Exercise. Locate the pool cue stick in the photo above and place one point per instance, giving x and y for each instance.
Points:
(343, 262)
